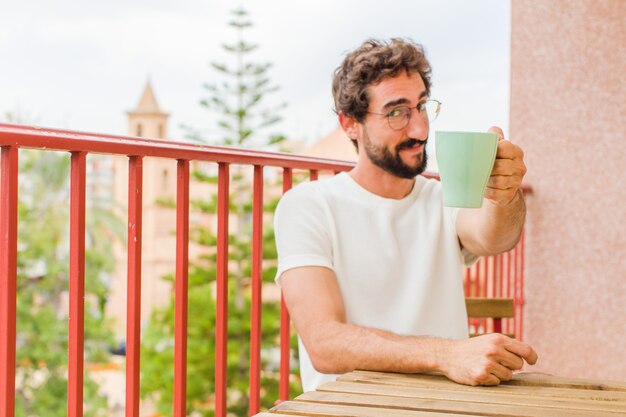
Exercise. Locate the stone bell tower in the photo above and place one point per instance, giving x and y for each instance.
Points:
(147, 120)
(158, 240)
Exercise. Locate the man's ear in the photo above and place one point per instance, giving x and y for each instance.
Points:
(350, 126)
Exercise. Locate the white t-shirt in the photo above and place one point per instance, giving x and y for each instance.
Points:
(398, 262)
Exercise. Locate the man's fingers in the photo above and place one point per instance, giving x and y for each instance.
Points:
(512, 361)
(489, 380)
(507, 150)
(503, 167)
(498, 131)
(492, 381)
(501, 182)
(522, 350)
(503, 373)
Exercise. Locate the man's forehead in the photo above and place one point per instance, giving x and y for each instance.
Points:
(403, 88)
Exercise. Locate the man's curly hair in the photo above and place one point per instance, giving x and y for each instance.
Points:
(371, 63)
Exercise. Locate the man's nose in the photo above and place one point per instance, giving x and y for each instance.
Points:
(418, 125)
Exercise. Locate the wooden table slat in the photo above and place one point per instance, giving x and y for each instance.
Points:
(340, 410)
(432, 381)
(521, 379)
(445, 406)
(533, 379)
(476, 395)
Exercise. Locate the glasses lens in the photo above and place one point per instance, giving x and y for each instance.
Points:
(432, 109)
(399, 117)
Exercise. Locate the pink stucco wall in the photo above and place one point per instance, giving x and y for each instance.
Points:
(568, 112)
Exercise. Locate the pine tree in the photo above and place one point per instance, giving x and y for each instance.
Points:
(243, 119)
(239, 99)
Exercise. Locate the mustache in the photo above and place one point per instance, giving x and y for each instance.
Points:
(409, 143)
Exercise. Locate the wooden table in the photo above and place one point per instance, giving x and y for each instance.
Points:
(374, 394)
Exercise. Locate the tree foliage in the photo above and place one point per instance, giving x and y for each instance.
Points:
(243, 119)
(240, 99)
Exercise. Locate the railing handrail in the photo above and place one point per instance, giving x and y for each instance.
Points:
(24, 136)
(75, 141)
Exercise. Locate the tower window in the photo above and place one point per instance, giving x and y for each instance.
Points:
(165, 180)
(139, 130)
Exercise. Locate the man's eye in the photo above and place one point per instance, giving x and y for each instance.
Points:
(395, 113)
(421, 106)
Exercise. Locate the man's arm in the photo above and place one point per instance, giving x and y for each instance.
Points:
(335, 346)
(497, 226)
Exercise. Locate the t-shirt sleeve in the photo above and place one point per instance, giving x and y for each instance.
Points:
(469, 258)
(301, 228)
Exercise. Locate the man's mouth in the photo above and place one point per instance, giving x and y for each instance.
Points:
(411, 144)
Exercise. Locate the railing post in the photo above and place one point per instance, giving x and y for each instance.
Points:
(8, 277)
(476, 275)
(182, 263)
(77, 286)
(492, 276)
(285, 329)
(519, 294)
(507, 278)
(133, 314)
(497, 270)
(257, 286)
(221, 317)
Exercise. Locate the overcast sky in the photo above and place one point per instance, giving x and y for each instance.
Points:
(81, 64)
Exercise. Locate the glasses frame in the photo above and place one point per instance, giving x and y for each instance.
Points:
(420, 107)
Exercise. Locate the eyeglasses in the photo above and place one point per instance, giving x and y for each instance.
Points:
(399, 117)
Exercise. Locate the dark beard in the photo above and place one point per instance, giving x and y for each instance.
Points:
(393, 164)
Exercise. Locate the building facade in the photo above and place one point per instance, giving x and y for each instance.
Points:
(568, 113)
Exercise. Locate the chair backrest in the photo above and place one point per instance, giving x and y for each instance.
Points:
(494, 308)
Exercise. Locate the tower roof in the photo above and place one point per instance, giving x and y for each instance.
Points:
(336, 145)
(148, 102)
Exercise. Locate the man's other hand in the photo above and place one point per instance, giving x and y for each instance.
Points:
(484, 360)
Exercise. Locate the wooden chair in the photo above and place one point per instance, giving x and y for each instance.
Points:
(494, 308)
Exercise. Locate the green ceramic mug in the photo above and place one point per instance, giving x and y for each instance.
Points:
(465, 162)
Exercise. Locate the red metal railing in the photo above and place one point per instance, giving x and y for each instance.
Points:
(499, 276)
(8, 275)
(77, 283)
(180, 314)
